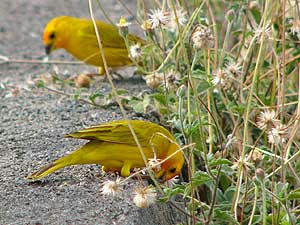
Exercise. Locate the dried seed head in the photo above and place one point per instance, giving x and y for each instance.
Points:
(233, 69)
(295, 28)
(111, 187)
(154, 80)
(135, 51)
(278, 134)
(147, 26)
(256, 156)
(83, 80)
(259, 34)
(172, 78)
(244, 163)
(220, 78)
(253, 5)
(260, 174)
(181, 16)
(202, 37)
(144, 197)
(158, 17)
(267, 120)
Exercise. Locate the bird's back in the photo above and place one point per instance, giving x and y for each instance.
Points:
(83, 43)
(118, 132)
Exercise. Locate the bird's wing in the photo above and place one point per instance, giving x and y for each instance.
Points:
(108, 33)
(119, 132)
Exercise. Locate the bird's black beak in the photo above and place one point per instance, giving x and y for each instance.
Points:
(48, 49)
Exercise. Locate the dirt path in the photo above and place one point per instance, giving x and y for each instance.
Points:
(33, 124)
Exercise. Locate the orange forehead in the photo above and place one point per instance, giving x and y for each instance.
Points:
(50, 28)
(46, 37)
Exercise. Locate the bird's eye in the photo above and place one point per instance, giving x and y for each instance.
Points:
(52, 35)
(173, 170)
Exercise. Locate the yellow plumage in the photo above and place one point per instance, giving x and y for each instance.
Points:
(112, 146)
(77, 36)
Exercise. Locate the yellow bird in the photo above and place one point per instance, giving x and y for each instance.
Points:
(77, 36)
(113, 146)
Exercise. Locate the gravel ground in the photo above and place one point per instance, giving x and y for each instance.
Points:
(33, 124)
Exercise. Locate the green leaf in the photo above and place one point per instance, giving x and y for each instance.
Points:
(289, 219)
(229, 193)
(137, 105)
(40, 84)
(160, 98)
(256, 219)
(281, 189)
(121, 91)
(220, 198)
(256, 14)
(94, 95)
(236, 108)
(295, 194)
(199, 74)
(216, 162)
(200, 178)
(224, 216)
(203, 86)
(169, 192)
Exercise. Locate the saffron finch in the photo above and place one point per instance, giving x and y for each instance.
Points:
(113, 146)
(77, 36)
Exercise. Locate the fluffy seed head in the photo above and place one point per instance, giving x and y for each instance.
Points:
(135, 51)
(233, 69)
(256, 156)
(144, 197)
(181, 17)
(278, 134)
(267, 119)
(154, 80)
(295, 28)
(158, 17)
(202, 37)
(111, 187)
(259, 34)
(219, 77)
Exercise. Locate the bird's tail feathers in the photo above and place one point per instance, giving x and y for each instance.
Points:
(51, 168)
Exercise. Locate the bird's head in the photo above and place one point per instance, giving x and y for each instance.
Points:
(173, 165)
(55, 34)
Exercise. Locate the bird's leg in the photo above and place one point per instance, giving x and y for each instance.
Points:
(105, 169)
(125, 171)
(101, 71)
